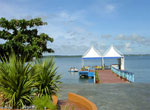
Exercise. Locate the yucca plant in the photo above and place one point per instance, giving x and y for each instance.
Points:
(47, 80)
(16, 82)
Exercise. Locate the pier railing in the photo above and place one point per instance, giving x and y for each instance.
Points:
(124, 74)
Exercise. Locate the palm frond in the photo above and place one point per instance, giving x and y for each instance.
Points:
(16, 81)
(47, 79)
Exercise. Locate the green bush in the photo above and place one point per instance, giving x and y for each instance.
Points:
(20, 81)
(43, 102)
(16, 82)
(97, 76)
(47, 80)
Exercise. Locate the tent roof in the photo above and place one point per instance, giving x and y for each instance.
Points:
(112, 52)
(91, 54)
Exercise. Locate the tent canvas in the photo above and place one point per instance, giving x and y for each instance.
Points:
(112, 53)
(109, 54)
(92, 53)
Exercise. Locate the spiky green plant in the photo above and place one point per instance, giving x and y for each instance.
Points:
(16, 82)
(47, 81)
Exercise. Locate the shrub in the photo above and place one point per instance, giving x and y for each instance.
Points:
(47, 80)
(44, 102)
(97, 76)
(16, 82)
(20, 80)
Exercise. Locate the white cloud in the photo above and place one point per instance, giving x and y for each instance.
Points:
(72, 30)
(103, 8)
(106, 36)
(58, 24)
(134, 38)
(110, 8)
(127, 47)
(13, 10)
(120, 37)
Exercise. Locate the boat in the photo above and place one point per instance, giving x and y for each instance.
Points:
(73, 69)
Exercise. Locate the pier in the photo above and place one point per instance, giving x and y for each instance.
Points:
(107, 76)
(116, 72)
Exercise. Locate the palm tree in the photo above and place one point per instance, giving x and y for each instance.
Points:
(47, 80)
(16, 82)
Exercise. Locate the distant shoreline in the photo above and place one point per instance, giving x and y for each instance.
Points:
(81, 55)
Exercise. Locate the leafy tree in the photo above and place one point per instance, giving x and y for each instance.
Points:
(22, 37)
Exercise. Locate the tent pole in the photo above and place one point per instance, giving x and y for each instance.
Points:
(82, 62)
(102, 62)
(122, 63)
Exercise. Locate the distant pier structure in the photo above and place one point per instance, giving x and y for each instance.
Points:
(115, 74)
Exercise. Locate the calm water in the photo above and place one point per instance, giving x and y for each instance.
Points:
(139, 65)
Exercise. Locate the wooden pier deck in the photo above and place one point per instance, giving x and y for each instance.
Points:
(107, 76)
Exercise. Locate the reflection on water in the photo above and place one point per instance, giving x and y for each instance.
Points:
(73, 73)
(86, 80)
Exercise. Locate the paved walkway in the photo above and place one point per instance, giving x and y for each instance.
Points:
(121, 96)
(107, 76)
(68, 105)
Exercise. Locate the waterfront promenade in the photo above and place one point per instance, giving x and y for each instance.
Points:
(123, 96)
(107, 76)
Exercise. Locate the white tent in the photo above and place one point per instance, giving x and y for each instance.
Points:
(112, 52)
(92, 53)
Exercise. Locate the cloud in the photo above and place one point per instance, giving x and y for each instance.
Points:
(75, 29)
(77, 41)
(103, 8)
(17, 9)
(127, 47)
(67, 28)
(121, 37)
(134, 38)
(110, 8)
(106, 36)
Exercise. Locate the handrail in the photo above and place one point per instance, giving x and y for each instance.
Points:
(124, 74)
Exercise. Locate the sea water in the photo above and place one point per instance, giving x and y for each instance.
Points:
(139, 65)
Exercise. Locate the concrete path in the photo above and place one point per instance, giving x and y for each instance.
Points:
(123, 96)
(107, 76)
(67, 105)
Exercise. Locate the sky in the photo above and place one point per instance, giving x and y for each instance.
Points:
(76, 25)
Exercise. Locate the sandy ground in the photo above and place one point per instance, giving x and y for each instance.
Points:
(135, 96)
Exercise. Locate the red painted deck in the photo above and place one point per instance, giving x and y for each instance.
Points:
(107, 76)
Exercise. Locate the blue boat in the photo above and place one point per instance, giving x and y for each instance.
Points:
(86, 74)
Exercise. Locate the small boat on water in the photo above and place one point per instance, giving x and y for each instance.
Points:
(73, 69)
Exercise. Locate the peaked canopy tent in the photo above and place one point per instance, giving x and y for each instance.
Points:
(112, 53)
(92, 53)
